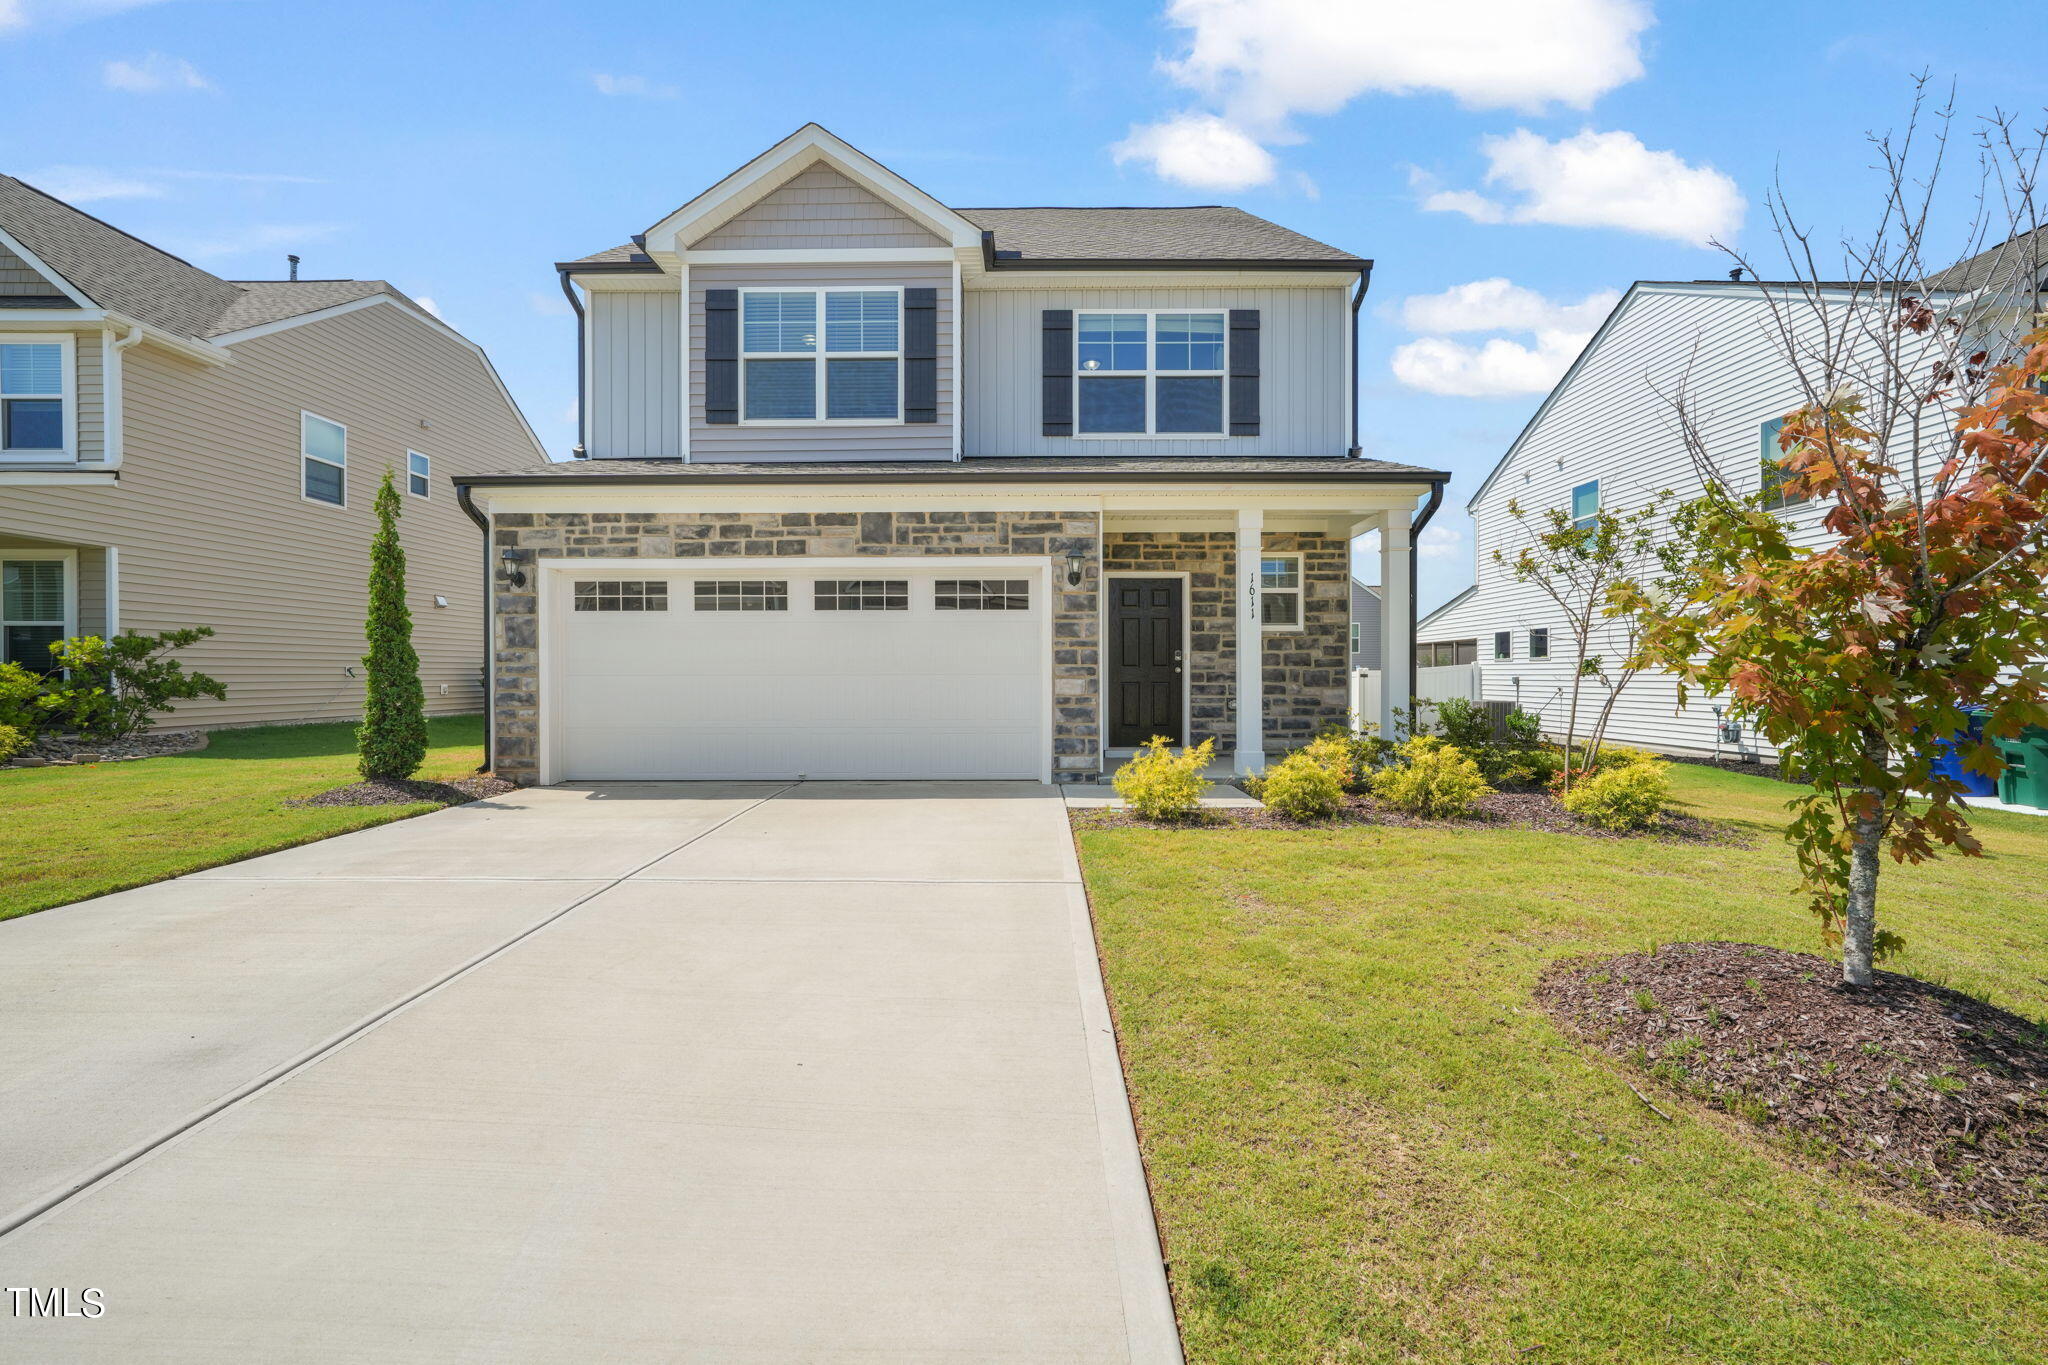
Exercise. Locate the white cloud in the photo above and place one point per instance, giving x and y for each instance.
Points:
(637, 86)
(1600, 180)
(86, 184)
(1260, 63)
(259, 237)
(1500, 305)
(1441, 542)
(1496, 369)
(16, 15)
(427, 303)
(1197, 149)
(549, 305)
(155, 74)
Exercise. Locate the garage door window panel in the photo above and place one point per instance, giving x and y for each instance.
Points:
(742, 594)
(621, 595)
(982, 594)
(861, 594)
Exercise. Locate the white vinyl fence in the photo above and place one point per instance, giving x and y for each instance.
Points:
(1432, 685)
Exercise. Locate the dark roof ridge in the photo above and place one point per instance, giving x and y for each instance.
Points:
(67, 204)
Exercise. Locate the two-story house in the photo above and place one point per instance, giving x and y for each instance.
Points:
(881, 488)
(178, 449)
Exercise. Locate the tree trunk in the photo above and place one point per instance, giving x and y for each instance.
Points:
(1859, 912)
(1571, 723)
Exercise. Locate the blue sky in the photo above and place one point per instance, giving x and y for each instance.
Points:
(1504, 163)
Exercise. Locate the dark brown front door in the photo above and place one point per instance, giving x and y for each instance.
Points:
(1144, 660)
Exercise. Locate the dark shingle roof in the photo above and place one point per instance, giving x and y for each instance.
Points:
(2023, 256)
(126, 275)
(1036, 468)
(1203, 232)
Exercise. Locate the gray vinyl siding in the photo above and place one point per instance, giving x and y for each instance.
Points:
(636, 375)
(1304, 392)
(818, 207)
(1365, 613)
(773, 443)
(19, 277)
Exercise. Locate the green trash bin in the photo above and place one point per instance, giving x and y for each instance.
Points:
(2025, 779)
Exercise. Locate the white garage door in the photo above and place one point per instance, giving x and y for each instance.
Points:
(869, 671)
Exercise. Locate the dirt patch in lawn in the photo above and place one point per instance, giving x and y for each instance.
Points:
(404, 791)
(1944, 1099)
(1502, 810)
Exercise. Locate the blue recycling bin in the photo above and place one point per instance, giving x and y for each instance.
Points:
(1949, 763)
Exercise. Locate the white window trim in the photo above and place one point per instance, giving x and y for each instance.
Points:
(1498, 653)
(69, 558)
(1300, 590)
(303, 457)
(1357, 637)
(820, 356)
(427, 474)
(1579, 523)
(67, 367)
(1150, 374)
(1533, 632)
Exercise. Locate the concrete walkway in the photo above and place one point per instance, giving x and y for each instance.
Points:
(623, 1072)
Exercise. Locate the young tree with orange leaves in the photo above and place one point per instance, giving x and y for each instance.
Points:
(1924, 435)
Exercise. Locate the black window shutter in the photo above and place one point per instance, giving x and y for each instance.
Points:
(1244, 372)
(1056, 388)
(920, 355)
(722, 357)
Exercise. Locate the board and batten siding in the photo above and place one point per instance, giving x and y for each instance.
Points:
(636, 409)
(1608, 423)
(817, 207)
(1304, 394)
(212, 530)
(769, 442)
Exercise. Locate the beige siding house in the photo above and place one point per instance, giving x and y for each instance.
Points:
(182, 450)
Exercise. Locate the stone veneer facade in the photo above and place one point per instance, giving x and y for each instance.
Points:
(1305, 670)
(1306, 686)
(1076, 619)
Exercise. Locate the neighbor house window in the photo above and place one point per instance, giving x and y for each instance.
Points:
(812, 355)
(1503, 644)
(323, 460)
(606, 594)
(1148, 374)
(861, 594)
(1280, 592)
(419, 474)
(1443, 653)
(1774, 471)
(1539, 644)
(982, 594)
(1357, 637)
(34, 611)
(742, 594)
(35, 383)
(1585, 505)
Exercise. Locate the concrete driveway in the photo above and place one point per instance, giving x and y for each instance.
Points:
(621, 1072)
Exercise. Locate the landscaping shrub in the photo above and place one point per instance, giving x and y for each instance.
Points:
(1301, 788)
(392, 742)
(1629, 796)
(1433, 779)
(12, 741)
(1516, 758)
(114, 687)
(20, 707)
(1160, 784)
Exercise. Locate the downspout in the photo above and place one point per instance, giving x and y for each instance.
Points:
(467, 502)
(1415, 527)
(582, 448)
(1358, 302)
(114, 437)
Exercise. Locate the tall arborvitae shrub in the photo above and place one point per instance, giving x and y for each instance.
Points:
(392, 742)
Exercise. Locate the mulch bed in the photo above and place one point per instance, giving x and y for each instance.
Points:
(1502, 810)
(1942, 1098)
(56, 751)
(1747, 767)
(404, 791)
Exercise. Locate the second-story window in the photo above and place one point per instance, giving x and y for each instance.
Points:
(33, 393)
(1586, 505)
(821, 355)
(1148, 374)
(323, 460)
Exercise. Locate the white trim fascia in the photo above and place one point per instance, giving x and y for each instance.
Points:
(36, 263)
(948, 496)
(843, 255)
(57, 478)
(81, 318)
(648, 282)
(417, 315)
(548, 570)
(731, 196)
(1104, 574)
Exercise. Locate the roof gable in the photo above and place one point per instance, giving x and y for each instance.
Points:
(818, 206)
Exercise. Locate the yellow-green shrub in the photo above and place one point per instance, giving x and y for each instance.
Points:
(1433, 779)
(1336, 755)
(1631, 796)
(12, 742)
(1160, 784)
(1302, 789)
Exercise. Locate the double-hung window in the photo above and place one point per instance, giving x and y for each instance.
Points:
(35, 610)
(419, 474)
(1586, 505)
(1539, 643)
(1280, 592)
(35, 399)
(1774, 471)
(323, 460)
(821, 355)
(1149, 374)
(1503, 644)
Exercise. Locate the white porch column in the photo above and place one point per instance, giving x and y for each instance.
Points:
(1397, 635)
(1251, 653)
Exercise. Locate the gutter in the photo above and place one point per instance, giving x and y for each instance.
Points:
(111, 396)
(997, 260)
(1357, 303)
(467, 502)
(1415, 528)
(581, 450)
(1431, 477)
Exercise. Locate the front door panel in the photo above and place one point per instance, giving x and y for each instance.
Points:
(1145, 661)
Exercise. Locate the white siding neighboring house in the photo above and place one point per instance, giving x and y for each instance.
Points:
(1604, 436)
(178, 450)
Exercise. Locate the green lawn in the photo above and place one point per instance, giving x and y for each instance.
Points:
(70, 833)
(1366, 1143)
